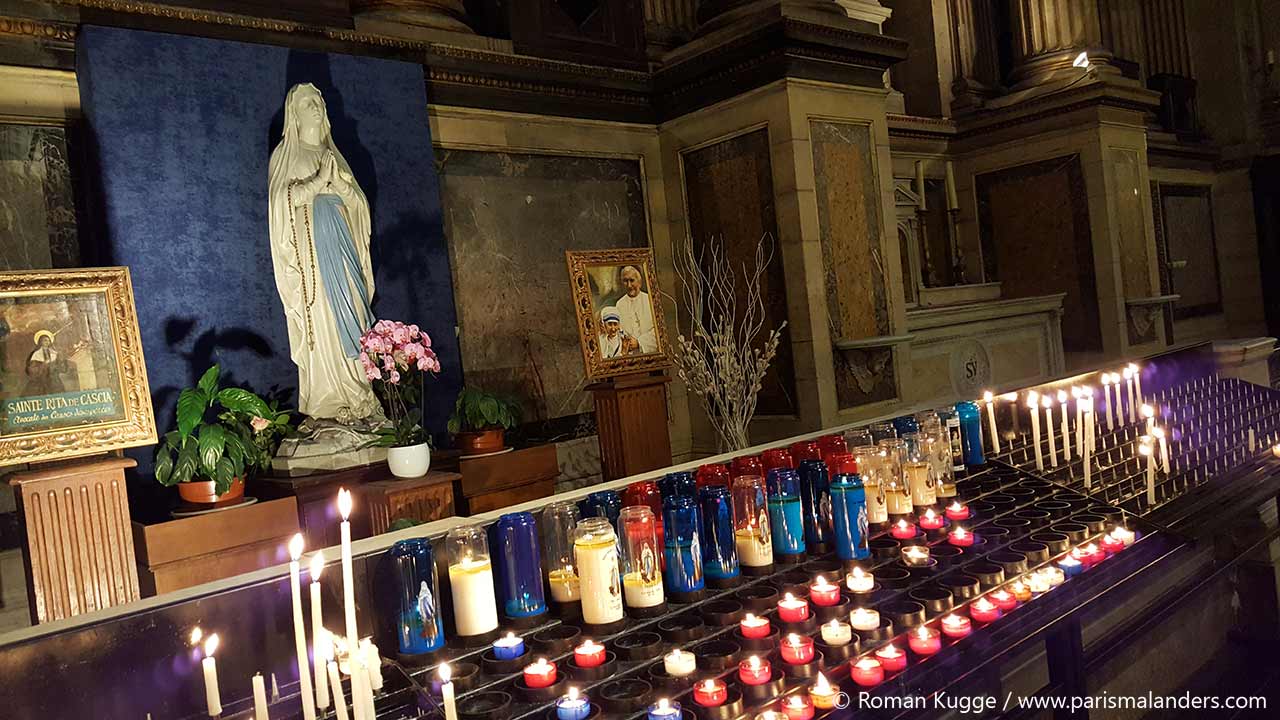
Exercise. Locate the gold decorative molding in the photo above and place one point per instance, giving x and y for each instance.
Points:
(42, 29)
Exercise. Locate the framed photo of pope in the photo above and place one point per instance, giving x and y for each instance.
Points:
(616, 296)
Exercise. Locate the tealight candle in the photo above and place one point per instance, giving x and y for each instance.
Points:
(1084, 554)
(860, 581)
(931, 520)
(1096, 554)
(957, 511)
(984, 611)
(1124, 535)
(1071, 565)
(960, 537)
(891, 658)
(540, 674)
(823, 593)
(798, 707)
(589, 654)
(867, 672)
(508, 648)
(680, 663)
(836, 633)
(793, 609)
(796, 649)
(752, 626)
(754, 671)
(665, 709)
(1037, 583)
(864, 619)
(822, 693)
(1003, 599)
(1111, 544)
(903, 530)
(915, 555)
(1020, 591)
(710, 693)
(956, 626)
(1052, 575)
(573, 706)
(924, 640)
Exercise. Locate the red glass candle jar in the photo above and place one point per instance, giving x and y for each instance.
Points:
(796, 649)
(805, 450)
(754, 671)
(1003, 599)
(798, 707)
(753, 626)
(867, 672)
(956, 626)
(793, 609)
(712, 474)
(711, 692)
(960, 537)
(984, 611)
(891, 658)
(540, 674)
(830, 445)
(824, 593)
(777, 458)
(931, 520)
(589, 654)
(746, 465)
(903, 530)
(957, 511)
(924, 640)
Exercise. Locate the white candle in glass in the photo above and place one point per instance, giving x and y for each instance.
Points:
(860, 581)
(212, 697)
(864, 619)
(679, 663)
(446, 692)
(475, 609)
(300, 629)
(1047, 402)
(836, 633)
(260, 698)
(335, 684)
(1066, 426)
(990, 400)
(318, 633)
(1033, 404)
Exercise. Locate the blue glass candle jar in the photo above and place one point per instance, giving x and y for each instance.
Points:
(719, 549)
(971, 432)
(678, 483)
(602, 503)
(849, 511)
(515, 548)
(419, 626)
(906, 424)
(683, 573)
(815, 499)
(786, 514)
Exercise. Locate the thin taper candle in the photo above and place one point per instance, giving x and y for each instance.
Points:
(300, 629)
(335, 684)
(318, 633)
(990, 400)
(260, 698)
(1066, 426)
(1033, 403)
(212, 695)
(348, 575)
(1047, 402)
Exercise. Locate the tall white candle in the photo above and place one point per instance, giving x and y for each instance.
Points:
(372, 661)
(335, 683)
(1033, 403)
(1047, 402)
(1078, 396)
(1087, 450)
(1111, 415)
(1066, 426)
(1133, 400)
(990, 400)
(446, 693)
(1148, 413)
(1159, 434)
(366, 689)
(1137, 382)
(260, 698)
(1144, 448)
(318, 633)
(348, 574)
(475, 610)
(212, 697)
(300, 629)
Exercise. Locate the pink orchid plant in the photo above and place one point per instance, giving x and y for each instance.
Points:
(393, 356)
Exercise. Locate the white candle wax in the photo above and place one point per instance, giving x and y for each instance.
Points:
(446, 692)
(366, 689)
(864, 619)
(641, 594)
(1066, 427)
(1033, 404)
(475, 611)
(305, 692)
(1146, 451)
(1133, 398)
(598, 574)
(1164, 450)
(212, 697)
(991, 421)
(836, 633)
(1048, 424)
(679, 663)
(1137, 382)
(356, 672)
(348, 574)
(1088, 446)
(1106, 388)
(260, 698)
(335, 684)
(564, 585)
(860, 581)
(753, 549)
(319, 636)
(372, 661)
(1079, 398)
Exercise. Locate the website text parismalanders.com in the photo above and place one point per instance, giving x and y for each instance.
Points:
(979, 704)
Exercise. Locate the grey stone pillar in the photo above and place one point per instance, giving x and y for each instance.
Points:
(1049, 34)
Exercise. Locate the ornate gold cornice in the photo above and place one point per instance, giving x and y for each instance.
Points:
(41, 29)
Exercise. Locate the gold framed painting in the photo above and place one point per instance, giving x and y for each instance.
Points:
(615, 295)
(72, 377)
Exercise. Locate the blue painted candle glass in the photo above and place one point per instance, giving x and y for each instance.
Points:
(602, 503)
(683, 572)
(815, 498)
(849, 511)
(785, 511)
(419, 626)
(573, 706)
(906, 424)
(678, 483)
(665, 710)
(971, 432)
(519, 565)
(719, 551)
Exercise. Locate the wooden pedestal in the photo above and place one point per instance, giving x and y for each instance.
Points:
(79, 548)
(496, 481)
(631, 415)
(425, 499)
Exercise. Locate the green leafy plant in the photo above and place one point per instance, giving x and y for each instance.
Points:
(222, 434)
(477, 410)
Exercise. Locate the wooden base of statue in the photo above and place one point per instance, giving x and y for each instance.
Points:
(631, 415)
(79, 550)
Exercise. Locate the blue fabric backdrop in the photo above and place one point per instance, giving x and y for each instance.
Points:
(180, 132)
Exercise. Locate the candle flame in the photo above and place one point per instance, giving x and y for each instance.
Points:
(1062, 396)
(573, 693)
(983, 604)
(958, 532)
(857, 572)
(211, 645)
(445, 672)
(902, 524)
(923, 632)
(295, 546)
(1010, 397)
(750, 619)
(929, 514)
(196, 635)
(867, 663)
(796, 701)
(987, 397)
(793, 639)
(317, 565)
(951, 619)
(1144, 449)
(789, 598)
(344, 503)
(956, 506)
(1046, 401)
(754, 662)
(1075, 392)
(1157, 433)
(664, 704)
(821, 685)
(709, 685)
(1128, 373)
(1147, 411)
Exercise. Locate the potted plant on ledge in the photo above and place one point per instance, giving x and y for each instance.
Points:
(224, 435)
(396, 357)
(480, 421)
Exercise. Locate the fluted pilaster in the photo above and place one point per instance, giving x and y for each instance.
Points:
(1166, 31)
(1048, 34)
(668, 23)
(1122, 29)
(973, 48)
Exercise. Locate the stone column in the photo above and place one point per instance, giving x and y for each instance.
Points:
(428, 14)
(1166, 30)
(973, 48)
(1122, 29)
(668, 23)
(1047, 36)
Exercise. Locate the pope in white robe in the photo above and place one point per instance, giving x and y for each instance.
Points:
(636, 311)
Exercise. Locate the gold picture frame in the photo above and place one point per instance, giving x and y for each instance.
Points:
(72, 377)
(624, 285)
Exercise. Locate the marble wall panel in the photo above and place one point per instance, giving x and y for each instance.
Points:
(37, 206)
(1187, 220)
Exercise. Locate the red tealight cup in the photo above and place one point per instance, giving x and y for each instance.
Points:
(1112, 545)
(1003, 599)
(984, 611)
(957, 511)
(1098, 553)
(798, 707)
(793, 609)
(823, 593)
(891, 658)
(903, 530)
(710, 693)
(956, 626)
(867, 672)
(540, 674)
(960, 537)
(589, 654)
(931, 520)
(754, 671)
(924, 640)
(753, 626)
(796, 649)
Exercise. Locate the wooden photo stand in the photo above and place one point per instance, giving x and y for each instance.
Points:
(631, 417)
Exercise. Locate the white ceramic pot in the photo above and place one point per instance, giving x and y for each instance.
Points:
(409, 462)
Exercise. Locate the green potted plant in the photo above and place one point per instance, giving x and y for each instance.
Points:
(480, 421)
(224, 435)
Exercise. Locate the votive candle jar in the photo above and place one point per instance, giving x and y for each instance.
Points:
(558, 522)
(419, 624)
(641, 559)
(867, 672)
(683, 555)
(815, 501)
(752, 535)
(595, 548)
(719, 546)
(475, 610)
(515, 545)
(785, 511)
(849, 514)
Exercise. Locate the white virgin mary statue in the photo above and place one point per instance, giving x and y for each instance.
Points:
(320, 250)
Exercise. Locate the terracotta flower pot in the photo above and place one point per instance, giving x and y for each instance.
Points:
(203, 493)
(479, 443)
